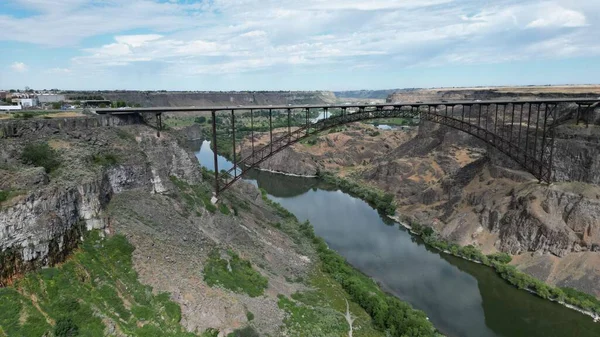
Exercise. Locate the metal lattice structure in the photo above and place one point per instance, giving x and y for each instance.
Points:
(522, 130)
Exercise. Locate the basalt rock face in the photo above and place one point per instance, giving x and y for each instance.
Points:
(552, 220)
(577, 154)
(44, 217)
(493, 93)
(162, 99)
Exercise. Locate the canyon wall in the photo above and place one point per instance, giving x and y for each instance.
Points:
(45, 214)
(213, 98)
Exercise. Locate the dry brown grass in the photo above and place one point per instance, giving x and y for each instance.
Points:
(65, 114)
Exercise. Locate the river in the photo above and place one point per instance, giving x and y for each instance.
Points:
(461, 298)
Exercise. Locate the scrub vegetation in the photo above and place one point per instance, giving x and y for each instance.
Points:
(95, 293)
(194, 196)
(234, 273)
(41, 154)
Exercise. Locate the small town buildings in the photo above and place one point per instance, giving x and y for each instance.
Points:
(50, 98)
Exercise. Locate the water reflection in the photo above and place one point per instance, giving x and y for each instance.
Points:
(206, 158)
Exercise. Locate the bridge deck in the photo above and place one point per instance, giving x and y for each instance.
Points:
(126, 111)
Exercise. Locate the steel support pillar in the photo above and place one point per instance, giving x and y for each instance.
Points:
(214, 139)
(233, 140)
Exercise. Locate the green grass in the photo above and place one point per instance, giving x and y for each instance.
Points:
(96, 285)
(235, 274)
(303, 319)
(195, 196)
(41, 154)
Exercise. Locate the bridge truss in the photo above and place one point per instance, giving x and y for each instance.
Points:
(522, 130)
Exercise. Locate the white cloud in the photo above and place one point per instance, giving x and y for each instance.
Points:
(19, 67)
(557, 16)
(137, 40)
(63, 71)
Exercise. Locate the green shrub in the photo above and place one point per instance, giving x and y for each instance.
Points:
(210, 332)
(65, 328)
(245, 332)
(3, 195)
(173, 310)
(105, 159)
(223, 208)
(40, 154)
(235, 274)
(249, 315)
(500, 257)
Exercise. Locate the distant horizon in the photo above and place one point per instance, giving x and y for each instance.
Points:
(326, 90)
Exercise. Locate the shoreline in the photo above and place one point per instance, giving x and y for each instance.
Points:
(595, 317)
(284, 173)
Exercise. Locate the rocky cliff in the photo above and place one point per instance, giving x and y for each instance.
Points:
(213, 98)
(45, 214)
(492, 93)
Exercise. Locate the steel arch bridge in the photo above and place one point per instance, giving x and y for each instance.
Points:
(522, 130)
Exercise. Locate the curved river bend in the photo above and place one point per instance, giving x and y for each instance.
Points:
(461, 298)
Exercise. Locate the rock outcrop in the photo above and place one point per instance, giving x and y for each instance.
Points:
(44, 218)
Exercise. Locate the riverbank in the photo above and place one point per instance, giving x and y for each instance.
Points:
(568, 297)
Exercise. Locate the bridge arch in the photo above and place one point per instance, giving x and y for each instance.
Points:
(522, 130)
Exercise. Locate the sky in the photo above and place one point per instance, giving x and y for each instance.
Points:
(296, 44)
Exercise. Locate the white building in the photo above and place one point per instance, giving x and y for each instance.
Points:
(26, 102)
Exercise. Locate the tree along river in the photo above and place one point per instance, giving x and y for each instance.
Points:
(460, 298)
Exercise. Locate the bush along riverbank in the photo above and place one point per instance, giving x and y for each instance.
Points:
(383, 202)
(569, 297)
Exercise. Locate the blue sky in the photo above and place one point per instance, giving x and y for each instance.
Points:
(297, 45)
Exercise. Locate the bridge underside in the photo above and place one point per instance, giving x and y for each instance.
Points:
(524, 131)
